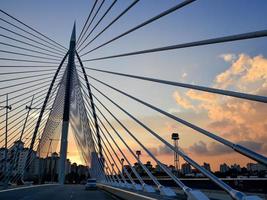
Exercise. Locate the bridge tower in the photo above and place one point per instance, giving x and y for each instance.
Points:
(66, 111)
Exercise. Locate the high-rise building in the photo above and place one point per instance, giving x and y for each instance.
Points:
(236, 167)
(68, 167)
(256, 167)
(206, 166)
(17, 156)
(186, 168)
(224, 168)
(149, 165)
(138, 168)
(2, 159)
(82, 170)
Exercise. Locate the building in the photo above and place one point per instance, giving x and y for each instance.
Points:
(51, 167)
(149, 165)
(74, 167)
(236, 167)
(20, 167)
(224, 168)
(138, 168)
(68, 167)
(55, 163)
(2, 159)
(172, 168)
(158, 169)
(40, 169)
(206, 166)
(16, 160)
(128, 168)
(186, 168)
(82, 170)
(256, 167)
(2, 153)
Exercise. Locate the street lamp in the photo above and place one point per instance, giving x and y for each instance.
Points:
(26, 119)
(7, 107)
(138, 153)
(112, 166)
(175, 138)
(122, 161)
(106, 170)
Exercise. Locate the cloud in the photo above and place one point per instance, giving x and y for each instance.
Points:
(184, 75)
(204, 96)
(182, 101)
(164, 150)
(237, 120)
(199, 148)
(245, 73)
(255, 146)
(228, 57)
(256, 70)
(161, 150)
(215, 148)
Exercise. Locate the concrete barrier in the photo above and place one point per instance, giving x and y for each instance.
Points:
(123, 194)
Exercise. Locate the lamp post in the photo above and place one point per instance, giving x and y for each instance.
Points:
(122, 161)
(107, 170)
(40, 163)
(112, 166)
(7, 107)
(138, 153)
(175, 138)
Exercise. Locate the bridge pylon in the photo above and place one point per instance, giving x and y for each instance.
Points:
(66, 112)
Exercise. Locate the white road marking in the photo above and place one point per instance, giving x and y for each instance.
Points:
(20, 188)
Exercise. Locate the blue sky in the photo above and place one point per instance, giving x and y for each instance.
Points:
(199, 20)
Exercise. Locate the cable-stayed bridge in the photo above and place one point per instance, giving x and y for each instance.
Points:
(55, 92)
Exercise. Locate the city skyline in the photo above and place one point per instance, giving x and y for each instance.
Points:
(251, 166)
(184, 170)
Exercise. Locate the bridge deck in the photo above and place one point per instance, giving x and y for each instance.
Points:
(54, 192)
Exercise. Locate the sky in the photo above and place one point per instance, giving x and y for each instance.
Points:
(239, 66)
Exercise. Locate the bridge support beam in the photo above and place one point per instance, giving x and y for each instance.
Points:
(66, 112)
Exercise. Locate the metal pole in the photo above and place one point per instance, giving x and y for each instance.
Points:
(175, 138)
(7, 107)
(122, 161)
(67, 101)
(138, 153)
(40, 164)
(27, 116)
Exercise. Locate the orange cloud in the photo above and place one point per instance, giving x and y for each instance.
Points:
(246, 73)
(237, 120)
(183, 102)
(201, 96)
